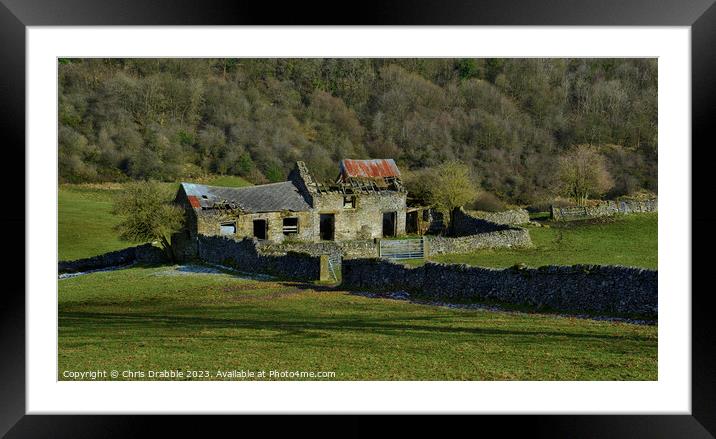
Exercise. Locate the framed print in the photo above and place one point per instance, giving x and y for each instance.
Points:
(390, 215)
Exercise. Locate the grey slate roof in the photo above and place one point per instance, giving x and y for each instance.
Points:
(273, 197)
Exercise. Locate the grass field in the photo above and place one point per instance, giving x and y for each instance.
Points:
(85, 224)
(157, 318)
(85, 221)
(629, 240)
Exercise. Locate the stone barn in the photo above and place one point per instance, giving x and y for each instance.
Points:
(366, 201)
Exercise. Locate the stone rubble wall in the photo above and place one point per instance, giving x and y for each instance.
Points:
(345, 249)
(145, 253)
(606, 208)
(506, 217)
(610, 290)
(247, 256)
(465, 224)
(435, 245)
(508, 238)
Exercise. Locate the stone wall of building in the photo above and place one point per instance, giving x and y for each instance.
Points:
(245, 255)
(365, 221)
(145, 253)
(184, 245)
(304, 181)
(606, 290)
(424, 221)
(210, 221)
(184, 241)
(606, 208)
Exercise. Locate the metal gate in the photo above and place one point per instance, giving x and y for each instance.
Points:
(402, 248)
(334, 264)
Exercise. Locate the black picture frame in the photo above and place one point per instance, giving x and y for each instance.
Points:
(16, 15)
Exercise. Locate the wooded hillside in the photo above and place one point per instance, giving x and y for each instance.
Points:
(508, 119)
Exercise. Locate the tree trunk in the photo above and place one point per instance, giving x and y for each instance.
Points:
(166, 245)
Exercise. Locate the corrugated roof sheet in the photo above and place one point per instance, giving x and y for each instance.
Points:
(377, 168)
(273, 197)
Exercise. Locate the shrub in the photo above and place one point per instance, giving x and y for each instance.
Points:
(488, 202)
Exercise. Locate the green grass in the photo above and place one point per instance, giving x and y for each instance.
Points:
(85, 221)
(540, 216)
(629, 240)
(143, 319)
(224, 180)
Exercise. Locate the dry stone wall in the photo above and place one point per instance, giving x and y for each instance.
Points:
(508, 238)
(435, 245)
(145, 253)
(344, 249)
(245, 255)
(464, 224)
(606, 208)
(507, 217)
(474, 222)
(607, 290)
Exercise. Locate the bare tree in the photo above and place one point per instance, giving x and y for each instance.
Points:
(451, 186)
(583, 173)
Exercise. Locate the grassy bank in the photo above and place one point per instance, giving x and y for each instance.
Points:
(157, 318)
(629, 240)
(85, 223)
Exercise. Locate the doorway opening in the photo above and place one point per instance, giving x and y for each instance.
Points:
(328, 227)
(411, 222)
(260, 228)
(389, 224)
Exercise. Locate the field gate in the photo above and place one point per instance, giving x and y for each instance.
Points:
(413, 248)
(334, 264)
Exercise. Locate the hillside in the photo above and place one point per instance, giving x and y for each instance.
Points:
(172, 119)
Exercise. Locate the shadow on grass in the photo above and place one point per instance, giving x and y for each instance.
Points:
(492, 305)
(94, 322)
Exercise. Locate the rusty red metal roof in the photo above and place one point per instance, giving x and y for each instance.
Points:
(377, 168)
(194, 201)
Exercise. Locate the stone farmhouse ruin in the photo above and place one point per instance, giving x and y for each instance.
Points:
(367, 201)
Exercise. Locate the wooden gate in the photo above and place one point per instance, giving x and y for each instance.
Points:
(402, 248)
